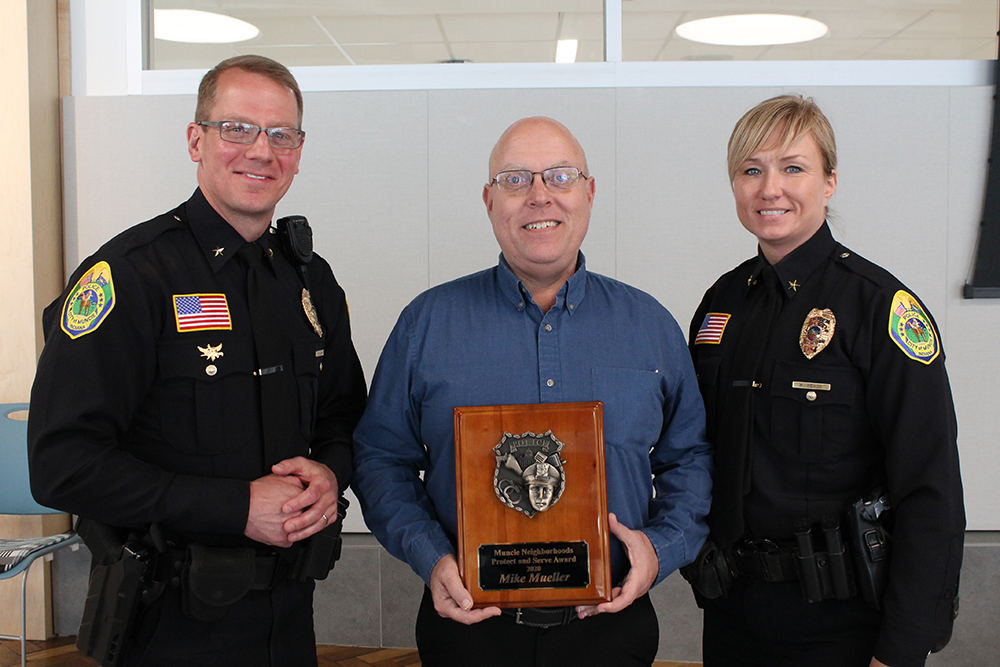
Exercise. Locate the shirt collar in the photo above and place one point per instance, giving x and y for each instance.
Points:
(570, 294)
(797, 266)
(216, 237)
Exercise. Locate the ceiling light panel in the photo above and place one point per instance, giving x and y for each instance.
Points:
(752, 30)
(199, 27)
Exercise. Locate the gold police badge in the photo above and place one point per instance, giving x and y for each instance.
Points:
(817, 331)
(311, 314)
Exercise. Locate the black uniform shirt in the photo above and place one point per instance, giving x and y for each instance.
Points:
(150, 411)
(864, 410)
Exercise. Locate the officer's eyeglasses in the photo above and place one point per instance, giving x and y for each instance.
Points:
(520, 180)
(245, 133)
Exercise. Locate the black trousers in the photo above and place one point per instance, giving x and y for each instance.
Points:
(264, 629)
(770, 625)
(627, 639)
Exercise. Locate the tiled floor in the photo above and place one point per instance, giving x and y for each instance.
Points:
(60, 652)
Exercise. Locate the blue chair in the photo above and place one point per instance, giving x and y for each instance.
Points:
(17, 556)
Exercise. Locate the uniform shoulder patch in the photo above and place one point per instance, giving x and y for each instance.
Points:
(712, 328)
(89, 302)
(911, 329)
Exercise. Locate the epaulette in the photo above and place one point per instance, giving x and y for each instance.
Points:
(864, 268)
(146, 232)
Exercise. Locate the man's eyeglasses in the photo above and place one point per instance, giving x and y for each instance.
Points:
(245, 133)
(556, 178)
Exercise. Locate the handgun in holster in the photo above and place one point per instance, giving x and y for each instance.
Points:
(871, 545)
(120, 576)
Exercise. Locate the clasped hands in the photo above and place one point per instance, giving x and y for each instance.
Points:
(452, 600)
(298, 499)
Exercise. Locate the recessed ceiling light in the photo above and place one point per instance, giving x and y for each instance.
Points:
(566, 50)
(190, 25)
(752, 30)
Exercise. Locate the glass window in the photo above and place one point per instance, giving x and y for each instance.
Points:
(396, 32)
(387, 32)
(856, 30)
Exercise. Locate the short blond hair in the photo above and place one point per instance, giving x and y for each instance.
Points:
(791, 116)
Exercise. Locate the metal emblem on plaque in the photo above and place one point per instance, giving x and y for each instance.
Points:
(529, 476)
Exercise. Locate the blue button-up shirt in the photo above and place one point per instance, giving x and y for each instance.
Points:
(481, 340)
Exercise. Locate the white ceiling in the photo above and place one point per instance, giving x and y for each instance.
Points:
(369, 32)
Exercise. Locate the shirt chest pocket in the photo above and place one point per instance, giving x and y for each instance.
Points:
(815, 412)
(633, 407)
(207, 396)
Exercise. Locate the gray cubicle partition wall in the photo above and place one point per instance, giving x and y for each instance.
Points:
(392, 182)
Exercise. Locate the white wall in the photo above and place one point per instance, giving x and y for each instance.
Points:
(391, 182)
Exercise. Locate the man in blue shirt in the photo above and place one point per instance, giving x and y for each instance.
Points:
(537, 328)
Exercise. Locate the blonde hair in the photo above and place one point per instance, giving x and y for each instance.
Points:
(786, 117)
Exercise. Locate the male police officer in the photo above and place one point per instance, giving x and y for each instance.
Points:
(193, 382)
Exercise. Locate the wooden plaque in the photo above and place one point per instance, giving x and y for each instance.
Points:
(532, 504)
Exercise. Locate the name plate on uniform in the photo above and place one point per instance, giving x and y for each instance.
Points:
(532, 504)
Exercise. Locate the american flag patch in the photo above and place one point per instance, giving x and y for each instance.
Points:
(711, 328)
(201, 312)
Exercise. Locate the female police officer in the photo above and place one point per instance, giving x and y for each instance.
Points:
(824, 383)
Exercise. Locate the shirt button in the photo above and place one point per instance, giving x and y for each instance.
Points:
(548, 327)
(571, 306)
(550, 382)
(520, 304)
(810, 395)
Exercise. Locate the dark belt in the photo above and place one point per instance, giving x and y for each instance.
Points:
(823, 576)
(269, 569)
(764, 560)
(542, 617)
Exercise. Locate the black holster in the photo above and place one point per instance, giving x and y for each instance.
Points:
(120, 579)
(871, 546)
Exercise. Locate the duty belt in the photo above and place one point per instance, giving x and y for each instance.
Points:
(542, 617)
(824, 575)
(269, 569)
